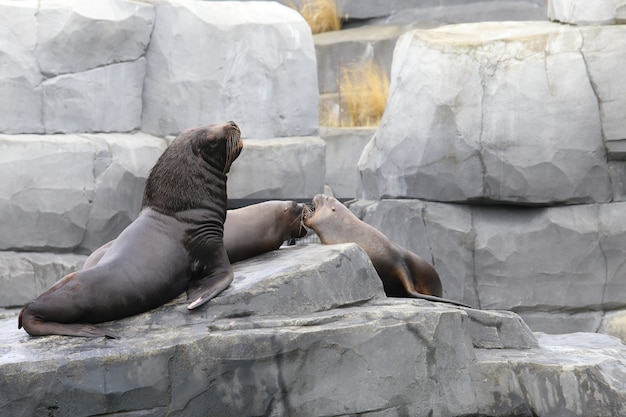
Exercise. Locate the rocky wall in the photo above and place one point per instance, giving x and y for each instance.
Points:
(522, 127)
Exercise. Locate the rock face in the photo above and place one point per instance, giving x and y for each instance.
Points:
(277, 343)
(577, 12)
(71, 191)
(492, 115)
(254, 57)
(560, 268)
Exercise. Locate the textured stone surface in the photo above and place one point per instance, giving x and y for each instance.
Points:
(578, 12)
(25, 275)
(72, 66)
(276, 343)
(63, 192)
(231, 61)
(505, 126)
(343, 148)
(614, 324)
(278, 168)
(106, 99)
(561, 268)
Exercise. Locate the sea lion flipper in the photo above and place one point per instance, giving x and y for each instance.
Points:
(202, 290)
(34, 326)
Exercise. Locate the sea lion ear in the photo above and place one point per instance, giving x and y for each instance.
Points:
(333, 208)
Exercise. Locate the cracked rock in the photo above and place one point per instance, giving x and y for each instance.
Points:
(488, 114)
(243, 44)
(578, 12)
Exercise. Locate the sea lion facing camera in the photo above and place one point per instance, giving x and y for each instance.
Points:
(175, 244)
(403, 273)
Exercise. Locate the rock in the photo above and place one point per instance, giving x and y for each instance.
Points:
(20, 78)
(577, 12)
(343, 148)
(76, 36)
(560, 268)
(280, 168)
(466, 147)
(442, 234)
(106, 99)
(47, 191)
(79, 190)
(72, 66)
(614, 324)
(293, 334)
(122, 165)
(25, 275)
(256, 66)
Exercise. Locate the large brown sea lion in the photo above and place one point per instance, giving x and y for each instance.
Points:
(403, 273)
(248, 231)
(175, 244)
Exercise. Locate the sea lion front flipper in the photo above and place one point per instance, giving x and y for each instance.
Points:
(202, 290)
(37, 327)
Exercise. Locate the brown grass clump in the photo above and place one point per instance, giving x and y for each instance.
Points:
(363, 92)
(321, 15)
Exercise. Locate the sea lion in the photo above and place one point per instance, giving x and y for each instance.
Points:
(248, 231)
(175, 244)
(403, 273)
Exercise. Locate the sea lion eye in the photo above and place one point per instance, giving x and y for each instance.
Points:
(333, 208)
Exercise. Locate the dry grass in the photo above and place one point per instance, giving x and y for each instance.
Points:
(321, 15)
(363, 91)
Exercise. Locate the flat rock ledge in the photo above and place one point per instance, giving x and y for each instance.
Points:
(307, 331)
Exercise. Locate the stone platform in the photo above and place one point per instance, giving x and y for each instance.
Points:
(307, 331)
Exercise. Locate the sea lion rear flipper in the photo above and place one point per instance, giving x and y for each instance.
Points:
(36, 327)
(202, 290)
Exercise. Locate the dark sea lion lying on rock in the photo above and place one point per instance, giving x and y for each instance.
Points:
(403, 273)
(249, 231)
(175, 244)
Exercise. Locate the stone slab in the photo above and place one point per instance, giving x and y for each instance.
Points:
(25, 275)
(251, 62)
(273, 347)
(560, 268)
(465, 145)
(71, 192)
(279, 168)
(578, 12)
(343, 148)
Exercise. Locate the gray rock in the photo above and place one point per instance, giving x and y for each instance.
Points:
(442, 234)
(63, 192)
(578, 12)
(279, 168)
(20, 78)
(48, 186)
(76, 36)
(464, 142)
(105, 99)
(614, 324)
(252, 62)
(560, 268)
(305, 357)
(25, 275)
(343, 148)
(122, 165)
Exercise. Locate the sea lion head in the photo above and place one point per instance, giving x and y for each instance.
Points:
(324, 206)
(192, 170)
(295, 214)
(218, 144)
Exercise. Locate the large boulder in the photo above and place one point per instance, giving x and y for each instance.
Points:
(295, 333)
(65, 192)
(252, 62)
(578, 12)
(487, 112)
(73, 66)
(561, 268)
(278, 168)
